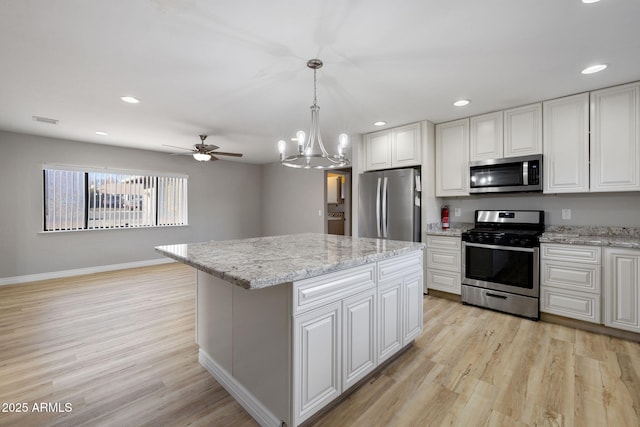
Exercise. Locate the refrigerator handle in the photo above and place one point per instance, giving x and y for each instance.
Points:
(378, 208)
(385, 225)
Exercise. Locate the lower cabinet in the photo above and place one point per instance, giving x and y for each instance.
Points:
(622, 293)
(444, 263)
(346, 323)
(570, 281)
(390, 318)
(358, 337)
(318, 338)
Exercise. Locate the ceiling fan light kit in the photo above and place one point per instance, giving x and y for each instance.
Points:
(205, 152)
(311, 152)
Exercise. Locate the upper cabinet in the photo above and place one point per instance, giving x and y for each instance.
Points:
(566, 144)
(452, 158)
(509, 133)
(615, 138)
(523, 131)
(486, 137)
(391, 148)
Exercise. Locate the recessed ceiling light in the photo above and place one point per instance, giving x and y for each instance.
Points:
(101, 133)
(130, 99)
(380, 123)
(594, 69)
(461, 102)
(590, 1)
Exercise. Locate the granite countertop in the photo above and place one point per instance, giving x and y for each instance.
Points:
(621, 237)
(455, 230)
(266, 261)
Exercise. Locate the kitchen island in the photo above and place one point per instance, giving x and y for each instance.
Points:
(289, 323)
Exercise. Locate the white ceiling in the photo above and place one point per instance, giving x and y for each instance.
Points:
(236, 69)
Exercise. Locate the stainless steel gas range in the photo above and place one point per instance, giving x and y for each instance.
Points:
(500, 261)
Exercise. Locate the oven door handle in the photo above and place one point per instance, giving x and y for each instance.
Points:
(507, 248)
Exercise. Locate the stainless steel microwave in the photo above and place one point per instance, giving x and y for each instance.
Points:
(509, 175)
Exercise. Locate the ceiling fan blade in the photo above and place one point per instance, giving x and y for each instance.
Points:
(222, 153)
(213, 158)
(181, 154)
(173, 146)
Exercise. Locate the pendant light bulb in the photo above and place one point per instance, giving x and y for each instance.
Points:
(301, 136)
(282, 146)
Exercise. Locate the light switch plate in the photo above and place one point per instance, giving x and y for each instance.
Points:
(457, 211)
(566, 213)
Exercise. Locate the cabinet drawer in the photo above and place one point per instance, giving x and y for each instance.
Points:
(576, 305)
(572, 253)
(446, 281)
(402, 264)
(443, 260)
(444, 242)
(573, 276)
(321, 290)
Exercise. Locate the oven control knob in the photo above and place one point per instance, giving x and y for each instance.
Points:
(512, 241)
(523, 242)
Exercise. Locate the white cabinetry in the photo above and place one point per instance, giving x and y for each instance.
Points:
(347, 322)
(570, 281)
(509, 133)
(622, 289)
(443, 263)
(400, 303)
(391, 148)
(566, 144)
(359, 351)
(615, 138)
(486, 137)
(452, 158)
(523, 130)
(318, 359)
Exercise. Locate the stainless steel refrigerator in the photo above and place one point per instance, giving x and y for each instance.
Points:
(389, 204)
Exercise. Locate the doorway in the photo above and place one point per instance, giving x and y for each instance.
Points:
(338, 202)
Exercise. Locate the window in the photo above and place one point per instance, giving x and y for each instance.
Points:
(87, 199)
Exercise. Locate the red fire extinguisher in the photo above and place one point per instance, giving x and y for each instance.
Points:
(445, 217)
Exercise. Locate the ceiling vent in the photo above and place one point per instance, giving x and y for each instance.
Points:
(45, 120)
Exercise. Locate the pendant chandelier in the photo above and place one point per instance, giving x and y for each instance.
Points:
(311, 152)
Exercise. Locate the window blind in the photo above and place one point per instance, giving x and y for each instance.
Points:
(76, 199)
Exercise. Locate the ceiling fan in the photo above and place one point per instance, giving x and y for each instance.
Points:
(204, 152)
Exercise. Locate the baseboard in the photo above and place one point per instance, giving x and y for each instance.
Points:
(80, 271)
(261, 414)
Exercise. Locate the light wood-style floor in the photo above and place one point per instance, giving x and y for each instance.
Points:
(119, 348)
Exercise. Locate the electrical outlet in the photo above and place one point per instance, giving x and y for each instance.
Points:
(457, 211)
(319, 212)
(566, 213)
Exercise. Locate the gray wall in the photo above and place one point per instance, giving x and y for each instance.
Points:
(224, 203)
(610, 209)
(291, 199)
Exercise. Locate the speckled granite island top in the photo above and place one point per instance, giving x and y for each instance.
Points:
(266, 261)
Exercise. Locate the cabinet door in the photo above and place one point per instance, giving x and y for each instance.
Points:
(523, 130)
(406, 146)
(377, 150)
(575, 305)
(445, 281)
(389, 318)
(622, 289)
(412, 307)
(615, 138)
(317, 359)
(486, 137)
(452, 158)
(566, 144)
(359, 337)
